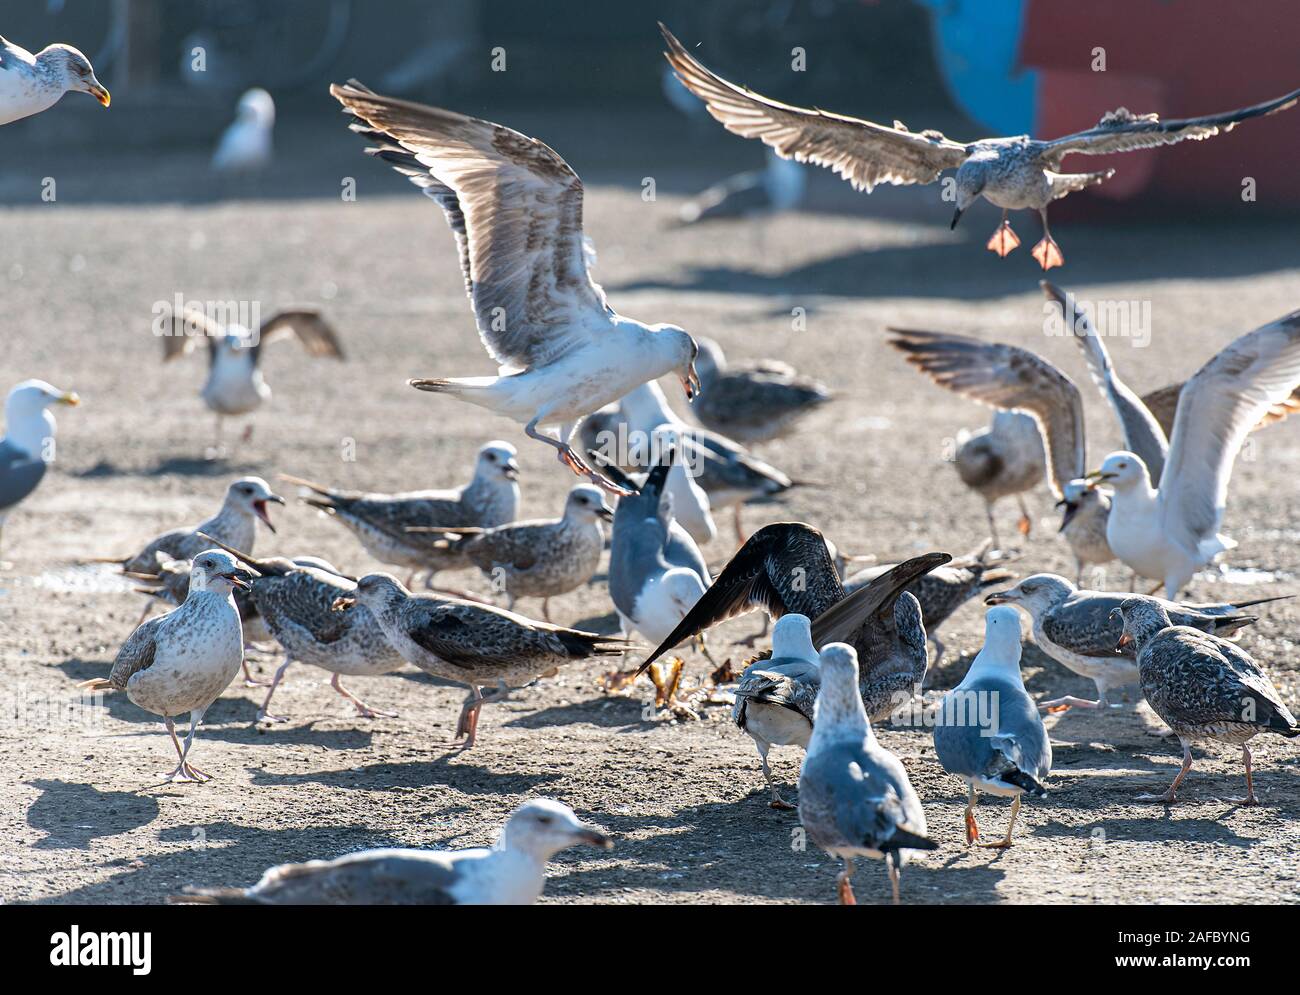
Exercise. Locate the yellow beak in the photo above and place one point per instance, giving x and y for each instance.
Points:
(71, 399)
(100, 94)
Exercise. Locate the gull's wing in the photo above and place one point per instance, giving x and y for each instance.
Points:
(136, 653)
(11, 55)
(313, 331)
(862, 152)
(182, 330)
(520, 207)
(19, 474)
(1163, 404)
(372, 877)
(1123, 131)
(1217, 410)
(1142, 431)
(1011, 379)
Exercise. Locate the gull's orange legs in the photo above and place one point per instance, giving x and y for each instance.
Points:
(1004, 239)
(1047, 252)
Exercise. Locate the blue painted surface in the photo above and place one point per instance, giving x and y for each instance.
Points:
(975, 44)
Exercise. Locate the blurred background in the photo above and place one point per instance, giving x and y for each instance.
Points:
(589, 76)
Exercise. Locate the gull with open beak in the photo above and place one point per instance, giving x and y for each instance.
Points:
(182, 661)
(27, 447)
(31, 83)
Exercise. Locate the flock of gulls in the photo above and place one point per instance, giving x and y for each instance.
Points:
(848, 648)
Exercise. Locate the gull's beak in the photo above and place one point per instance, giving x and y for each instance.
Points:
(956, 216)
(342, 603)
(1124, 641)
(97, 91)
(691, 384)
(605, 512)
(260, 508)
(511, 470)
(70, 398)
(594, 838)
(1095, 477)
(1070, 510)
(997, 598)
(240, 578)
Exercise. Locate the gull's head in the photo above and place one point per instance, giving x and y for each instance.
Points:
(250, 495)
(681, 351)
(73, 69)
(256, 105)
(31, 397)
(792, 638)
(496, 461)
(839, 700)
(1074, 495)
(1141, 619)
(1002, 625)
(971, 177)
(217, 571)
(586, 503)
(543, 827)
(1122, 471)
(373, 591)
(1036, 593)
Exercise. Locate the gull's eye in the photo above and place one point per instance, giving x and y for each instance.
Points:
(544, 820)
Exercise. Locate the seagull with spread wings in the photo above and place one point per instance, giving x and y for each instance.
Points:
(515, 208)
(1014, 173)
(235, 385)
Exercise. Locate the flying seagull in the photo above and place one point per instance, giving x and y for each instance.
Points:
(182, 661)
(855, 798)
(512, 872)
(30, 83)
(515, 208)
(1014, 173)
(987, 730)
(27, 447)
(235, 385)
(1203, 687)
(1167, 531)
(1074, 627)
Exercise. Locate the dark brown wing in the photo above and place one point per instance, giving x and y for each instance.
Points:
(313, 331)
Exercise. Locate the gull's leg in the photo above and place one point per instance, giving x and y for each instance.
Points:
(1250, 798)
(1171, 796)
(471, 702)
(1047, 252)
(249, 680)
(410, 579)
(546, 609)
(148, 607)
(704, 648)
(939, 648)
(364, 710)
(1065, 703)
(1002, 844)
(217, 449)
(741, 538)
(760, 634)
(247, 435)
(972, 827)
(1078, 572)
(891, 864)
(777, 801)
(566, 454)
(188, 772)
(175, 774)
(845, 883)
(1004, 239)
(263, 715)
(993, 526)
(1026, 524)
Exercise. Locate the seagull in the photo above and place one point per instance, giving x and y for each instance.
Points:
(380, 521)
(27, 447)
(943, 590)
(295, 600)
(1013, 173)
(513, 872)
(728, 472)
(472, 644)
(1074, 627)
(786, 568)
(987, 728)
(515, 208)
(543, 558)
(752, 402)
(182, 661)
(30, 83)
(1003, 460)
(775, 697)
(1168, 532)
(234, 524)
(235, 385)
(855, 799)
(245, 146)
(656, 571)
(1203, 687)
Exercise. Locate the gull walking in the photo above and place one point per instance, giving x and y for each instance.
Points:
(988, 731)
(1013, 173)
(515, 208)
(513, 872)
(855, 799)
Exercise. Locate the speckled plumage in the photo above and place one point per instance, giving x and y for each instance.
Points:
(755, 401)
(31, 83)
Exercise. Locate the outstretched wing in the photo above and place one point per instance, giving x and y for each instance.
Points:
(180, 331)
(1123, 131)
(313, 331)
(1163, 404)
(862, 152)
(517, 213)
(1011, 379)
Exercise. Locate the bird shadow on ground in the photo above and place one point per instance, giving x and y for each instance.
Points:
(1158, 828)
(469, 778)
(605, 625)
(291, 734)
(186, 466)
(612, 712)
(249, 852)
(908, 270)
(72, 814)
(736, 845)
